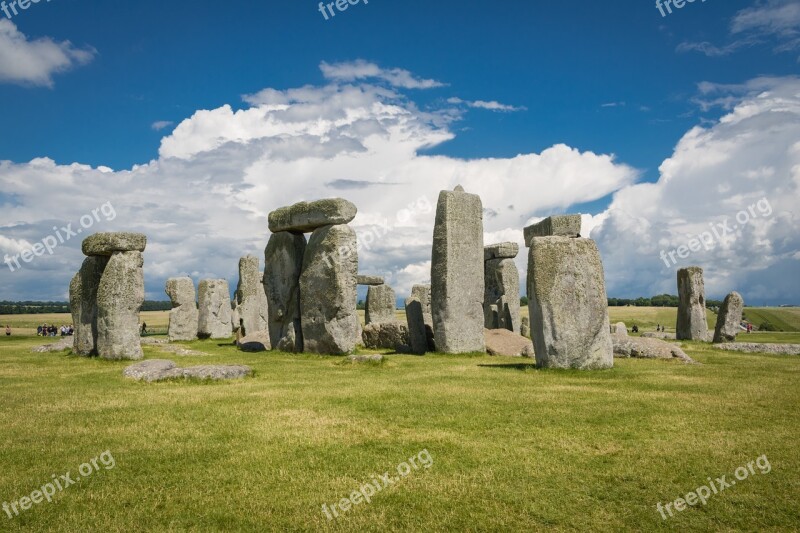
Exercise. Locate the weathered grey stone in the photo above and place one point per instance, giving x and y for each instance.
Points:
(692, 323)
(215, 309)
(162, 369)
(306, 217)
(752, 347)
(568, 304)
(415, 319)
(381, 304)
(508, 343)
(120, 296)
(503, 250)
(621, 329)
(658, 335)
(369, 280)
(83, 304)
(184, 315)
(65, 343)
(525, 327)
(647, 348)
(328, 291)
(283, 263)
(377, 358)
(257, 342)
(457, 273)
(423, 294)
(729, 318)
(251, 299)
(387, 335)
(501, 293)
(555, 226)
(108, 243)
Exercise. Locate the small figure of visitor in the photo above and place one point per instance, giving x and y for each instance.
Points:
(144, 328)
(635, 329)
(8, 331)
(39, 331)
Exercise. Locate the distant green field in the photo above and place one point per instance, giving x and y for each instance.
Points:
(783, 318)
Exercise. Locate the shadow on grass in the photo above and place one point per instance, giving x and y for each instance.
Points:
(517, 366)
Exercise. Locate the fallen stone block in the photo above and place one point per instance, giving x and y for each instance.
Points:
(305, 217)
(555, 226)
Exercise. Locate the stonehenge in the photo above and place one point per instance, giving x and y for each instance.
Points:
(525, 327)
(183, 318)
(567, 299)
(417, 330)
(729, 318)
(692, 323)
(555, 226)
(251, 299)
(305, 217)
(457, 276)
(215, 313)
(107, 294)
(501, 294)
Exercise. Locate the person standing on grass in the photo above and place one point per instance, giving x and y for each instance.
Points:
(8, 331)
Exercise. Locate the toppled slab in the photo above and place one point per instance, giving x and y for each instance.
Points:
(647, 348)
(369, 280)
(365, 358)
(387, 335)
(64, 344)
(257, 342)
(658, 335)
(555, 226)
(754, 347)
(508, 343)
(305, 217)
(106, 244)
(179, 350)
(162, 369)
(504, 250)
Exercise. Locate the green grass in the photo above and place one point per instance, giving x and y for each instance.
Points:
(513, 448)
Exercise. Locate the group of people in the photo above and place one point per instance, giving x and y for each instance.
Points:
(51, 331)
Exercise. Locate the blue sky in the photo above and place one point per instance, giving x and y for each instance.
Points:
(606, 78)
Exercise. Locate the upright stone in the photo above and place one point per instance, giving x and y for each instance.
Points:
(328, 291)
(283, 263)
(568, 304)
(692, 323)
(415, 318)
(555, 226)
(729, 318)
(120, 296)
(381, 304)
(215, 309)
(525, 327)
(423, 294)
(83, 304)
(184, 315)
(621, 329)
(457, 273)
(502, 283)
(251, 298)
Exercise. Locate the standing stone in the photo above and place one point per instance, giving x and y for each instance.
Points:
(215, 309)
(251, 299)
(457, 273)
(502, 282)
(120, 296)
(328, 291)
(184, 315)
(729, 318)
(283, 263)
(423, 294)
(415, 318)
(568, 304)
(525, 327)
(692, 323)
(83, 304)
(621, 329)
(381, 304)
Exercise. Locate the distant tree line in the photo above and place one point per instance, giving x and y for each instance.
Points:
(662, 300)
(41, 308)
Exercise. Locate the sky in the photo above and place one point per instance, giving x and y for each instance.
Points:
(676, 135)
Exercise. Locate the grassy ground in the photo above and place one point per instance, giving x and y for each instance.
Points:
(513, 448)
(784, 318)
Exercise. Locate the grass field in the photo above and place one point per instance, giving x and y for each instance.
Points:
(512, 447)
